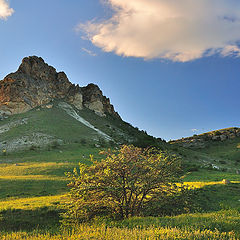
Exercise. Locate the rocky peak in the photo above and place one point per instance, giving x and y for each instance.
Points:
(34, 65)
(36, 68)
(36, 83)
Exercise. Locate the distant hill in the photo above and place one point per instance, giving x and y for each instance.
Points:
(40, 108)
(203, 140)
(219, 149)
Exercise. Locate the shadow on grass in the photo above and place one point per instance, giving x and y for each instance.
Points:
(218, 197)
(31, 188)
(29, 220)
(211, 207)
(207, 199)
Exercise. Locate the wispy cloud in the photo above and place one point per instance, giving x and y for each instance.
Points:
(231, 50)
(179, 30)
(5, 10)
(194, 130)
(91, 53)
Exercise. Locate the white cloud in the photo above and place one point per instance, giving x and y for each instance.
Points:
(231, 50)
(194, 130)
(179, 30)
(91, 53)
(5, 10)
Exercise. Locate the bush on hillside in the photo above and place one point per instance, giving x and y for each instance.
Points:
(222, 162)
(55, 144)
(83, 141)
(122, 185)
(146, 141)
(33, 148)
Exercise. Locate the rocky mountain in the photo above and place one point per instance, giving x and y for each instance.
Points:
(202, 140)
(36, 83)
(62, 114)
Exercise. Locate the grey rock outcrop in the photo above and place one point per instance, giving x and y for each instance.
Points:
(94, 100)
(35, 83)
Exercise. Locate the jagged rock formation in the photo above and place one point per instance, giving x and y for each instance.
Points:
(36, 83)
(94, 100)
(201, 141)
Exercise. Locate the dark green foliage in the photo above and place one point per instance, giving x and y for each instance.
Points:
(190, 167)
(111, 143)
(144, 141)
(33, 148)
(102, 142)
(83, 141)
(222, 162)
(55, 144)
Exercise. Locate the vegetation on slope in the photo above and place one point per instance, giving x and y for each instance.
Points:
(49, 128)
(33, 184)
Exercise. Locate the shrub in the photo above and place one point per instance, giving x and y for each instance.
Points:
(83, 142)
(190, 167)
(33, 148)
(121, 185)
(101, 142)
(111, 143)
(55, 144)
(222, 162)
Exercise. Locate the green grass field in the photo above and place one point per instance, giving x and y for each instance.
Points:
(33, 185)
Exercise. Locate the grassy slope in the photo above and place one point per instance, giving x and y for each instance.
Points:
(54, 122)
(32, 183)
(59, 125)
(228, 151)
(223, 155)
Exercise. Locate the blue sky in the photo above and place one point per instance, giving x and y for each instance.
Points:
(170, 69)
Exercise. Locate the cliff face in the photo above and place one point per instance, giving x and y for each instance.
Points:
(36, 83)
(94, 100)
(201, 141)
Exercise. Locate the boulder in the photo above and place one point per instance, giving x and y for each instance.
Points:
(223, 137)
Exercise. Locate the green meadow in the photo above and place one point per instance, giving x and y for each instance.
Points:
(33, 186)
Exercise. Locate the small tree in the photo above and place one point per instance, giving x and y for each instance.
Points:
(122, 184)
